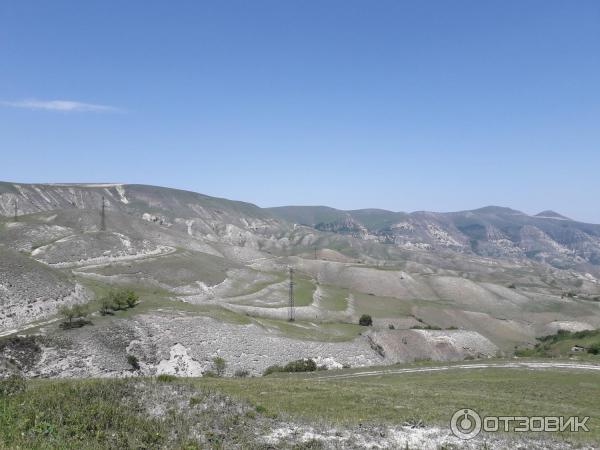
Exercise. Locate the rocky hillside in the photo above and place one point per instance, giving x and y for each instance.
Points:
(492, 231)
(547, 237)
(212, 276)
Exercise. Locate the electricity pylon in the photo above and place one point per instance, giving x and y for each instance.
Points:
(102, 216)
(292, 312)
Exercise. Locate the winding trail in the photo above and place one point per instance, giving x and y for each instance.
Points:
(511, 365)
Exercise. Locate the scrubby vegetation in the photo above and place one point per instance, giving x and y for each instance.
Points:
(425, 327)
(166, 378)
(74, 316)
(563, 343)
(133, 362)
(121, 414)
(300, 365)
(365, 320)
(118, 300)
(219, 365)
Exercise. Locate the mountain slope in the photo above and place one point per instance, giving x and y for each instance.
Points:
(491, 231)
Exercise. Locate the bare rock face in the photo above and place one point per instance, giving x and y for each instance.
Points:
(438, 345)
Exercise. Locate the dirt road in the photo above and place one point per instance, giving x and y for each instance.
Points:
(498, 365)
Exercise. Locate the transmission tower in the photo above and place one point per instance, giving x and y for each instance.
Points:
(16, 210)
(102, 216)
(292, 312)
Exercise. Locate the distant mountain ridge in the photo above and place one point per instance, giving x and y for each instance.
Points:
(492, 231)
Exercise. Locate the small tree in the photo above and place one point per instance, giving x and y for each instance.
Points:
(81, 311)
(365, 320)
(68, 313)
(106, 305)
(131, 298)
(219, 365)
(74, 312)
(119, 300)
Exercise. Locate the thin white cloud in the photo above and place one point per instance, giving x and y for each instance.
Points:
(60, 105)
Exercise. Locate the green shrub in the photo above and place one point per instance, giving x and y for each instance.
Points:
(425, 327)
(117, 300)
(131, 298)
(210, 374)
(106, 306)
(77, 312)
(301, 365)
(365, 320)
(273, 369)
(241, 373)
(133, 362)
(166, 378)
(594, 349)
(219, 365)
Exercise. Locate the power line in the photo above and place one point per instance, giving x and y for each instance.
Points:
(292, 312)
(102, 215)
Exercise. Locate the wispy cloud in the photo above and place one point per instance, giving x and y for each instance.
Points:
(60, 105)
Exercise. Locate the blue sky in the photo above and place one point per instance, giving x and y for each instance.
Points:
(352, 104)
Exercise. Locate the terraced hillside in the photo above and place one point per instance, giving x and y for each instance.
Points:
(212, 277)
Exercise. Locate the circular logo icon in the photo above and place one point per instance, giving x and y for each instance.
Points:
(465, 424)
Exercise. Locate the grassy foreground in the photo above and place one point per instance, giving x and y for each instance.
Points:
(430, 397)
(116, 413)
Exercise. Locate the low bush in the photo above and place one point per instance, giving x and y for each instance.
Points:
(594, 349)
(166, 378)
(133, 362)
(74, 316)
(118, 300)
(219, 365)
(425, 327)
(300, 365)
(365, 320)
(272, 369)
